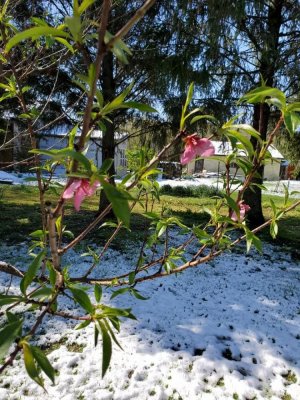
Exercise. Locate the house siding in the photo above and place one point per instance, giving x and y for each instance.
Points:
(93, 153)
(271, 172)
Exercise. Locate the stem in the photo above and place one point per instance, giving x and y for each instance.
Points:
(53, 240)
(107, 244)
(23, 104)
(259, 159)
(189, 264)
(126, 28)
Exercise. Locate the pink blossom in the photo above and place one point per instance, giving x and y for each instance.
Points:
(195, 146)
(79, 189)
(244, 208)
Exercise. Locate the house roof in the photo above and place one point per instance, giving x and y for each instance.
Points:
(60, 131)
(224, 148)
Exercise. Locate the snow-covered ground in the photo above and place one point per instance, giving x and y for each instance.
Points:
(229, 329)
(273, 187)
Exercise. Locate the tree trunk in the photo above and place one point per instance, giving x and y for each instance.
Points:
(108, 139)
(253, 196)
(261, 117)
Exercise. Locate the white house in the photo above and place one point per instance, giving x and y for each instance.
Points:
(59, 138)
(222, 149)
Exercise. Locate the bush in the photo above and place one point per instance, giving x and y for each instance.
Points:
(191, 191)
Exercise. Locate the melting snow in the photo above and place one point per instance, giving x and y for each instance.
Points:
(229, 329)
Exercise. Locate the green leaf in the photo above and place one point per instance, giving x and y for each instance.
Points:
(119, 291)
(102, 126)
(32, 271)
(98, 292)
(106, 347)
(257, 243)
(236, 137)
(274, 102)
(82, 299)
(3, 9)
(273, 229)
(12, 318)
(39, 234)
(274, 208)
(244, 164)
(119, 202)
(120, 49)
(139, 106)
(262, 187)
(189, 95)
(292, 122)
(34, 33)
(74, 25)
(65, 43)
(137, 294)
(8, 335)
(72, 136)
(198, 117)
(161, 228)
(99, 97)
(293, 107)
(245, 128)
(259, 95)
(116, 312)
(75, 7)
(30, 365)
(43, 362)
(9, 299)
(96, 334)
(52, 273)
(232, 204)
(106, 165)
(131, 276)
(108, 224)
(118, 101)
(84, 5)
(112, 334)
(83, 324)
(25, 116)
(39, 21)
(43, 292)
(187, 102)
(60, 155)
(286, 194)
(200, 233)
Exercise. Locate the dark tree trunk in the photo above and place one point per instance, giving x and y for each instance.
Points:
(253, 196)
(261, 116)
(108, 139)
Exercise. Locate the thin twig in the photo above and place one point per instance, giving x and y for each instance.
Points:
(126, 28)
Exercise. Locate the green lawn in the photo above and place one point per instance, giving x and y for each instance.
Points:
(20, 215)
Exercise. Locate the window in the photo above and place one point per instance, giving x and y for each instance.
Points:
(123, 162)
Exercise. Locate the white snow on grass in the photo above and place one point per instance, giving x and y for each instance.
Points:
(273, 187)
(229, 329)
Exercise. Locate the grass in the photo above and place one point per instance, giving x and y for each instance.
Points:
(20, 215)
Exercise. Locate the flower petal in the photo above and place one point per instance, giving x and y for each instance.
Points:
(88, 188)
(188, 155)
(244, 208)
(70, 190)
(196, 146)
(78, 198)
(205, 148)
